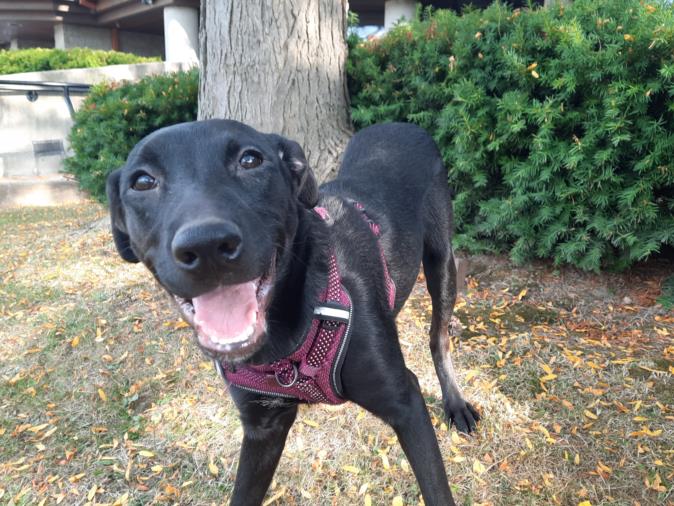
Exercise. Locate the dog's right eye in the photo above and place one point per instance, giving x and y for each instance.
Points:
(250, 160)
(143, 182)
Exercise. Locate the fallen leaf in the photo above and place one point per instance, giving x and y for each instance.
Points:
(213, 469)
(478, 467)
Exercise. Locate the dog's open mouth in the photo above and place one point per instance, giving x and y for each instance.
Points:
(230, 320)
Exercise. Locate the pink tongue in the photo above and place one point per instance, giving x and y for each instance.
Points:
(226, 313)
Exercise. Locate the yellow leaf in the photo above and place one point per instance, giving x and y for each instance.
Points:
(92, 492)
(604, 467)
(590, 415)
(576, 459)
(652, 433)
(75, 478)
(628, 37)
(75, 341)
(397, 501)
(180, 324)
(213, 469)
(384, 460)
(585, 503)
(157, 469)
(38, 428)
(351, 469)
(310, 423)
(478, 468)
(146, 453)
(456, 439)
(470, 375)
(521, 295)
(122, 500)
(368, 500)
(535, 74)
(101, 394)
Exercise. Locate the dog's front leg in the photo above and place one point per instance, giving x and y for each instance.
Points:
(265, 430)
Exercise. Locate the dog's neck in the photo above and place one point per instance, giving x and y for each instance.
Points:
(302, 275)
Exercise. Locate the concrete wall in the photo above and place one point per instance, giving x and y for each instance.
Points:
(67, 36)
(142, 44)
(25, 124)
(29, 43)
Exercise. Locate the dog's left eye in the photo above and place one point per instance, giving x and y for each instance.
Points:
(250, 160)
(143, 182)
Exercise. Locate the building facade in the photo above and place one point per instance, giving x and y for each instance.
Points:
(164, 28)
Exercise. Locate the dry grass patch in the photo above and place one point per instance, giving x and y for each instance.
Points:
(104, 399)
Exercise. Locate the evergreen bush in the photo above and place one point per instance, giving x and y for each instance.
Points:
(556, 125)
(38, 59)
(114, 117)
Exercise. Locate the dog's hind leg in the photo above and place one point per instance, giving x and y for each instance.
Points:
(265, 429)
(440, 272)
(386, 388)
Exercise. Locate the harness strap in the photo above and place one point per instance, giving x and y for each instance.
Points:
(376, 230)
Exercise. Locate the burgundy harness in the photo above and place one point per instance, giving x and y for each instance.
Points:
(313, 372)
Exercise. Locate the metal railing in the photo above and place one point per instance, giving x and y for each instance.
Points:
(32, 89)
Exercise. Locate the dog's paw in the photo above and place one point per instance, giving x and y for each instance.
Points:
(463, 415)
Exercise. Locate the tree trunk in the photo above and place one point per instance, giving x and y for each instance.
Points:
(279, 66)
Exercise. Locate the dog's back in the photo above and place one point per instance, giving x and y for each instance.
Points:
(391, 165)
(396, 172)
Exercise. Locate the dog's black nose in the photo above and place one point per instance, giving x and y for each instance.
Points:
(210, 243)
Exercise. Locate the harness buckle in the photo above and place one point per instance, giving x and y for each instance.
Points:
(296, 375)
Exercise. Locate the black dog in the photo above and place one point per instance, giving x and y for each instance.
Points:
(224, 218)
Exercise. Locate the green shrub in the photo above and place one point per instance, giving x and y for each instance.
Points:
(114, 117)
(556, 125)
(38, 59)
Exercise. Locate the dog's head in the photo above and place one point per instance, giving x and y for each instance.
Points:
(209, 207)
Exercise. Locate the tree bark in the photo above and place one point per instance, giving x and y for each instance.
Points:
(279, 66)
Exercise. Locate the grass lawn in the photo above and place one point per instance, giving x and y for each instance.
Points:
(105, 399)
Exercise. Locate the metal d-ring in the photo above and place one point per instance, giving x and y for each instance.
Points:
(296, 375)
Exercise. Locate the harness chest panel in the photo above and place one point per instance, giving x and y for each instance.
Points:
(311, 373)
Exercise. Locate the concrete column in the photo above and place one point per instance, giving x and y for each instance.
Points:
(181, 34)
(395, 10)
(59, 36)
(14, 43)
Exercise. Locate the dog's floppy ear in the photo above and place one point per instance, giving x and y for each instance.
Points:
(293, 156)
(119, 234)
